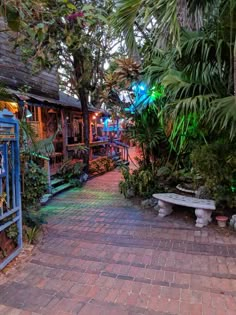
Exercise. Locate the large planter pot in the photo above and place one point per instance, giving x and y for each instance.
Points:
(185, 190)
(221, 220)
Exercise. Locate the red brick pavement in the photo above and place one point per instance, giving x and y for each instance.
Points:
(103, 255)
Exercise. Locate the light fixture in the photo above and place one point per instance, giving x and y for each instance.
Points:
(28, 113)
(51, 111)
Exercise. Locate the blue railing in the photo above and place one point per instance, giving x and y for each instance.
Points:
(10, 197)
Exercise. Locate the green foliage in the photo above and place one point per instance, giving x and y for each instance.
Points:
(124, 20)
(74, 36)
(27, 137)
(34, 185)
(128, 183)
(223, 113)
(32, 217)
(12, 16)
(45, 146)
(189, 47)
(71, 171)
(12, 232)
(146, 183)
(79, 150)
(82, 28)
(141, 183)
(31, 234)
(216, 164)
(148, 133)
(34, 182)
(100, 165)
(6, 96)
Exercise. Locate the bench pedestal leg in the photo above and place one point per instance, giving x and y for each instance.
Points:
(165, 208)
(203, 217)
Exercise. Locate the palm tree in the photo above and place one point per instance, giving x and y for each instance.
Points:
(193, 53)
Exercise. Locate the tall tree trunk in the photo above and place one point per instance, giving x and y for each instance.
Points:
(85, 113)
(235, 66)
(83, 95)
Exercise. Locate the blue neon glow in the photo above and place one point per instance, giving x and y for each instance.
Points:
(145, 95)
(142, 87)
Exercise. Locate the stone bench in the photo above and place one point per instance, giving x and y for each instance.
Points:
(203, 207)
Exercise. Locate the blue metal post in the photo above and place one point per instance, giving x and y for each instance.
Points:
(10, 180)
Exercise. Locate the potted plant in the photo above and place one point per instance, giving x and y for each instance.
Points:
(221, 220)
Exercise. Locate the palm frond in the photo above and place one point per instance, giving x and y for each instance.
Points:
(223, 114)
(45, 146)
(28, 135)
(168, 12)
(198, 104)
(158, 67)
(124, 20)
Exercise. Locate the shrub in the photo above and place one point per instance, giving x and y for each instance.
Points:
(71, 171)
(141, 182)
(12, 232)
(216, 165)
(34, 185)
(31, 234)
(101, 165)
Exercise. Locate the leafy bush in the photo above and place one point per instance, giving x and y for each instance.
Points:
(33, 217)
(148, 133)
(71, 171)
(34, 185)
(101, 165)
(31, 234)
(141, 182)
(12, 232)
(34, 182)
(216, 165)
(128, 184)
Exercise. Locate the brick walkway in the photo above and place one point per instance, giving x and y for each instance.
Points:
(104, 256)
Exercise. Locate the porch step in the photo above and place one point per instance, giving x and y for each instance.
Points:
(121, 162)
(45, 198)
(60, 188)
(57, 185)
(56, 181)
(115, 158)
(126, 162)
(118, 162)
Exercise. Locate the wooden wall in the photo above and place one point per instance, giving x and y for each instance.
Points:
(15, 74)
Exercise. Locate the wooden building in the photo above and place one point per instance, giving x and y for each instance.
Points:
(54, 113)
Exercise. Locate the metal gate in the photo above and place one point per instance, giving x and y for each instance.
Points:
(10, 198)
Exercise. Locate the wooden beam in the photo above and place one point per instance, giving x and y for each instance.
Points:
(64, 133)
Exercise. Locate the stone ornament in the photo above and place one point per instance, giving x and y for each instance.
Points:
(203, 207)
(232, 222)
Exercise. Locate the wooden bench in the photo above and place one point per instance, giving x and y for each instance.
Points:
(203, 207)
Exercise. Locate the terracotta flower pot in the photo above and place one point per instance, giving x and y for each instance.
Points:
(221, 220)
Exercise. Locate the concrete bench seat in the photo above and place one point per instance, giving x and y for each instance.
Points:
(203, 207)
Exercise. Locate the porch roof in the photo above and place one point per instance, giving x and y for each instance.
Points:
(63, 101)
